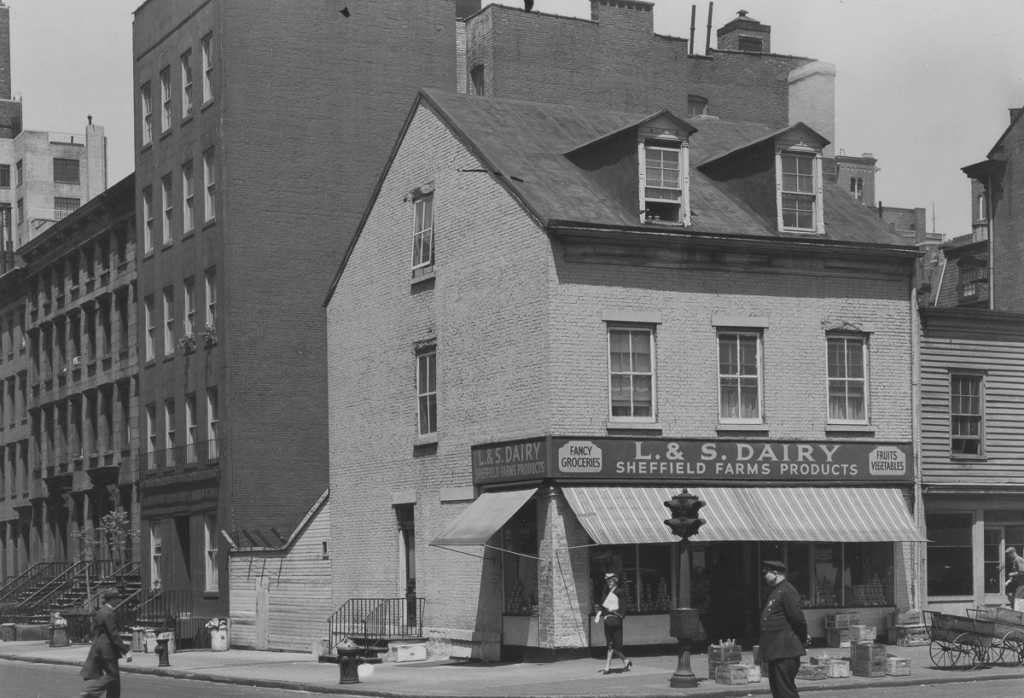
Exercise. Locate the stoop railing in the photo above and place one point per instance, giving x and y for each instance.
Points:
(375, 622)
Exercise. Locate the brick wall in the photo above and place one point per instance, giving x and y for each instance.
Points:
(619, 63)
(1008, 225)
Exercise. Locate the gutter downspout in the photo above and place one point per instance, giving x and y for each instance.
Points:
(991, 245)
(920, 549)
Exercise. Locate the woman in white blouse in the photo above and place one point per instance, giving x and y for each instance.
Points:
(611, 615)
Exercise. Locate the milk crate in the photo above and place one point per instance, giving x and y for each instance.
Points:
(837, 637)
(731, 674)
(867, 659)
(863, 633)
(897, 666)
(840, 620)
(719, 655)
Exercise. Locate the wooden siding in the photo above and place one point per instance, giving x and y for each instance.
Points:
(298, 589)
(1001, 362)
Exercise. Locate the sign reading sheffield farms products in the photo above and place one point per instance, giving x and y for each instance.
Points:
(684, 460)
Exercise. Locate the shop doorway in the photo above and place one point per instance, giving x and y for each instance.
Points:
(407, 543)
(726, 589)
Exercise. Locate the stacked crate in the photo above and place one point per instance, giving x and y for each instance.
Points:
(868, 659)
(723, 655)
(908, 629)
(897, 666)
(837, 628)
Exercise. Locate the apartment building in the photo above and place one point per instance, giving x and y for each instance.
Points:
(69, 391)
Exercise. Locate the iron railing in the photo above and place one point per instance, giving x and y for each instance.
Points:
(198, 453)
(375, 622)
(168, 609)
(25, 583)
(42, 598)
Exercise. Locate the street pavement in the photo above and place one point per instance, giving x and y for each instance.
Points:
(562, 679)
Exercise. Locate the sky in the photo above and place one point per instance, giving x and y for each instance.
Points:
(923, 85)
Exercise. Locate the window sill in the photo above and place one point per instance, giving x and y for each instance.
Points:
(148, 254)
(186, 118)
(425, 440)
(166, 245)
(149, 363)
(209, 223)
(748, 429)
(206, 104)
(639, 427)
(164, 134)
(211, 594)
(800, 231)
(421, 274)
(964, 458)
(850, 429)
(148, 145)
(188, 233)
(168, 357)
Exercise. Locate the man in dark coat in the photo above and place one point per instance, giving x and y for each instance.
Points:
(101, 671)
(783, 631)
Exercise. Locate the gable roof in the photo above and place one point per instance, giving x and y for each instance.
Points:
(525, 146)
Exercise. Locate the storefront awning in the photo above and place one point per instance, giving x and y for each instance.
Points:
(617, 515)
(483, 518)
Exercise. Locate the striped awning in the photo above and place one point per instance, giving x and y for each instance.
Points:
(483, 518)
(617, 515)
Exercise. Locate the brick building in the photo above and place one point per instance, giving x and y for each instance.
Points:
(972, 370)
(242, 217)
(69, 397)
(601, 308)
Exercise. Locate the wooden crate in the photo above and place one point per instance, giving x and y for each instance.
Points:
(863, 633)
(731, 674)
(841, 620)
(867, 659)
(909, 635)
(837, 668)
(837, 637)
(719, 655)
(897, 666)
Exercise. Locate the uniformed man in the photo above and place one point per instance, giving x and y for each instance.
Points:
(783, 631)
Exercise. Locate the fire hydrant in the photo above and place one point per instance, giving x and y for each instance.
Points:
(162, 650)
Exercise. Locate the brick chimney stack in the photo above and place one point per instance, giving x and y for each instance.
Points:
(744, 33)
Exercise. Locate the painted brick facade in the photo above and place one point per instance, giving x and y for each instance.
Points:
(519, 322)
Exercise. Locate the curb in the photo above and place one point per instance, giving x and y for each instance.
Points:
(354, 690)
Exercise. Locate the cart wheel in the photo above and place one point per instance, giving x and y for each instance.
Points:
(945, 655)
(1013, 648)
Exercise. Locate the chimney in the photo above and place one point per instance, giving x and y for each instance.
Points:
(1014, 113)
(744, 33)
(630, 15)
(5, 51)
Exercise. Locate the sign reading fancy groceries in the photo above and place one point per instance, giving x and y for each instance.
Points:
(682, 460)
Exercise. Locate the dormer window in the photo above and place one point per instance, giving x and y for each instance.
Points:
(664, 181)
(799, 190)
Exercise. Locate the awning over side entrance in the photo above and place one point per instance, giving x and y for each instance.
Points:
(483, 518)
(618, 515)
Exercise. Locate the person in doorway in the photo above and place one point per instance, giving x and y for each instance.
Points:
(783, 631)
(101, 671)
(610, 614)
(1014, 574)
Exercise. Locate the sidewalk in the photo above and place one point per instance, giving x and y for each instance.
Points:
(564, 679)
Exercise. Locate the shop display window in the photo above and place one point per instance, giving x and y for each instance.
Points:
(837, 575)
(997, 540)
(645, 576)
(950, 567)
(519, 562)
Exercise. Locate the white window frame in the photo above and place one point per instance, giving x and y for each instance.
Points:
(147, 318)
(423, 231)
(188, 198)
(211, 584)
(212, 422)
(209, 186)
(633, 372)
(660, 144)
(426, 390)
(845, 381)
(191, 428)
(147, 219)
(150, 435)
(955, 411)
(739, 376)
(800, 152)
(167, 192)
(168, 308)
(185, 66)
(155, 555)
(206, 44)
(169, 431)
(146, 108)
(165, 99)
(210, 287)
(190, 307)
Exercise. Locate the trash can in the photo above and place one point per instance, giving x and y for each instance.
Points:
(219, 639)
(348, 665)
(59, 636)
(149, 640)
(138, 639)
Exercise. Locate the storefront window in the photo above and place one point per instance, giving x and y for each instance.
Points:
(949, 554)
(997, 540)
(837, 575)
(645, 576)
(519, 562)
